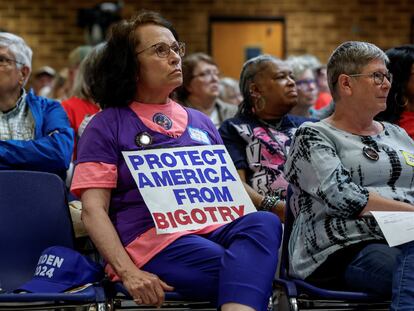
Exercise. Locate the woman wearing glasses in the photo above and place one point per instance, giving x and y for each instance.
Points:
(137, 71)
(305, 84)
(340, 169)
(201, 88)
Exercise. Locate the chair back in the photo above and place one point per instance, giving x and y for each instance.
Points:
(34, 215)
(287, 230)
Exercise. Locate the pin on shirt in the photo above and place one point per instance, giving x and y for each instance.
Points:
(370, 153)
(143, 139)
(162, 120)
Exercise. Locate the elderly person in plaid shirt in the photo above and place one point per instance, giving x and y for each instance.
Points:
(34, 131)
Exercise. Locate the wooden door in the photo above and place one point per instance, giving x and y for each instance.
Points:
(232, 42)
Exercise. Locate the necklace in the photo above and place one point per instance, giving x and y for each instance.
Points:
(368, 150)
(275, 126)
(370, 153)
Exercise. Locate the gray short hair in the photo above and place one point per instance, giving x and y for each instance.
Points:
(228, 83)
(21, 51)
(300, 64)
(350, 58)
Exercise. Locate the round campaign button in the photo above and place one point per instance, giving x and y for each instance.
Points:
(143, 139)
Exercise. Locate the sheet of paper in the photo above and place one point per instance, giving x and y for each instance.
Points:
(397, 227)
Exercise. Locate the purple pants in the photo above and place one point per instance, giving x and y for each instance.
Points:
(235, 263)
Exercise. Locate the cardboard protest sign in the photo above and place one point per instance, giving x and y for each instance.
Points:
(189, 188)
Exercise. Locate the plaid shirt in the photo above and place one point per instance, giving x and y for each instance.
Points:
(18, 123)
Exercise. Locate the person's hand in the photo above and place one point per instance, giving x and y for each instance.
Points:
(146, 288)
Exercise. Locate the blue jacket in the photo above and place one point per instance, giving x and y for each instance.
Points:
(52, 146)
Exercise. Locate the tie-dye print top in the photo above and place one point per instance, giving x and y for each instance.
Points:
(260, 150)
(331, 178)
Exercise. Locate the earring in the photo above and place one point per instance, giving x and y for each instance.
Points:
(260, 103)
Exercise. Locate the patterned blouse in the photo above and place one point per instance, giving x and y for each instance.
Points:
(331, 172)
(260, 150)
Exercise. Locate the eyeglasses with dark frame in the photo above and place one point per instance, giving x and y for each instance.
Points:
(163, 50)
(377, 76)
(6, 61)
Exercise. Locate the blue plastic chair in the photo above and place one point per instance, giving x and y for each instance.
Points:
(297, 294)
(34, 215)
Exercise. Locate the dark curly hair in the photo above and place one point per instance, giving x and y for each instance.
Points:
(115, 74)
(401, 61)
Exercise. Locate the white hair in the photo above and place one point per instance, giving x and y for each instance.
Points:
(21, 51)
(302, 63)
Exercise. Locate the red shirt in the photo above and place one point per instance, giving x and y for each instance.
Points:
(77, 110)
(324, 98)
(407, 122)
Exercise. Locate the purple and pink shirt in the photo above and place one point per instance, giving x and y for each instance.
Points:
(100, 164)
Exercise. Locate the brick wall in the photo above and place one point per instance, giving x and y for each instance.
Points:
(314, 27)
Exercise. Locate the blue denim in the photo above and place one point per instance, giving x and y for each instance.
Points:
(372, 269)
(385, 271)
(403, 282)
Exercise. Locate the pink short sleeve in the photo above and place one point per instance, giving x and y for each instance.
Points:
(93, 175)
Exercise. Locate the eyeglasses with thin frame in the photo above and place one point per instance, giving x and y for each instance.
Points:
(377, 76)
(163, 50)
(207, 74)
(305, 83)
(6, 61)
